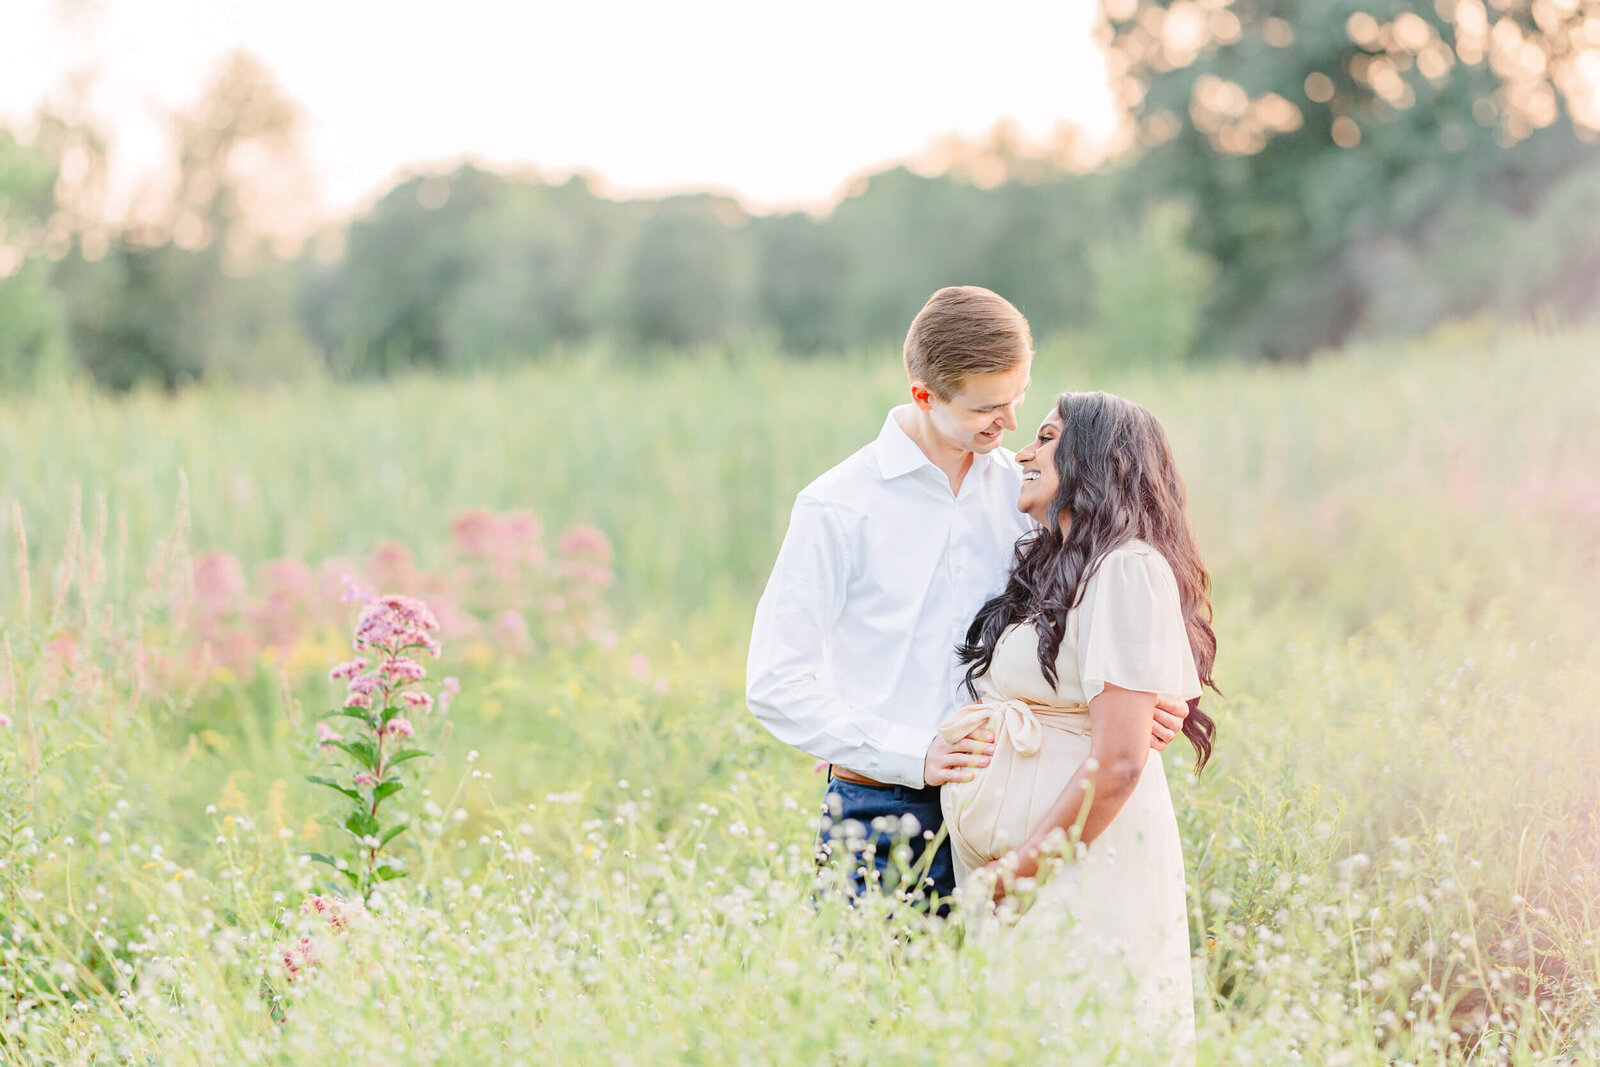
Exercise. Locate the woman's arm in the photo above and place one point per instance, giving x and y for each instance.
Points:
(1119, 744)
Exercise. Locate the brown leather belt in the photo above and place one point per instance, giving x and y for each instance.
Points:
(845, 774)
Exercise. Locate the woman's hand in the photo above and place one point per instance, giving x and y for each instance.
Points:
(1001, 875)
(1168, 722)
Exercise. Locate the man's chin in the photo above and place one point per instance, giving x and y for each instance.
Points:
(984, 445)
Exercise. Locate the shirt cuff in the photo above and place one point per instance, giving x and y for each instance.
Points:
(904, 755)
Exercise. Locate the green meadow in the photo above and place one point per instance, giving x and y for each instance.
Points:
(1394, 856)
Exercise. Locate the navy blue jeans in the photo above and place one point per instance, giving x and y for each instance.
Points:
(862, 824)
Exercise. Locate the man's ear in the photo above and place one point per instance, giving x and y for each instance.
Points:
(921, 395)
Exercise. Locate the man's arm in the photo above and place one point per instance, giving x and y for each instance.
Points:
(784, 682)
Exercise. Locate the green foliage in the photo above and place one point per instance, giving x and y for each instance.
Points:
(683, 280)
(1333, 179)
(802, 282)
(32, 328)
(1149, 292)
(33, 340)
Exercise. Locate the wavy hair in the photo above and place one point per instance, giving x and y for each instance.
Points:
(1117, 483)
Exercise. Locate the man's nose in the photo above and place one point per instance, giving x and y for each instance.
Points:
(1008, 418)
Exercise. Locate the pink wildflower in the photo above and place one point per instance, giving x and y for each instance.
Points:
(661, 686)
(418, 701)
(473, 532)
(5, 721)
(320, 904)
(399, 726)
(364, 684)
(511, 630)
(453, 684)
(357, 700)
(403, 669)
(350, 590)
(393, 622)
(348, 669)
(391, 565)
(218, 578)
(337, 913)
(585, 541)
(365, 778)
(641, 665)
(326, 734)
(298, 956)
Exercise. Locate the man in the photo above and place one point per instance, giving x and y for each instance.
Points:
(887, 559)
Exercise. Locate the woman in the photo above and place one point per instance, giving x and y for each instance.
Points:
(1106, 606)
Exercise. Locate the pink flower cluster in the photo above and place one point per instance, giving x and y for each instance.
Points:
(301, 954)
(336, 912)
(390, 625)
(500, 586)
(394, 623)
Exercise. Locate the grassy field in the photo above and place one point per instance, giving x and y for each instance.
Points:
(1394, 857)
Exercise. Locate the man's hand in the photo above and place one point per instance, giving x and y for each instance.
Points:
(953, 761)
(1168, 721)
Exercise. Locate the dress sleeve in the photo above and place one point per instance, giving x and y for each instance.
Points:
(1130, 628)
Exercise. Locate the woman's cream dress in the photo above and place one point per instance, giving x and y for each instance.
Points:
(1111, 925)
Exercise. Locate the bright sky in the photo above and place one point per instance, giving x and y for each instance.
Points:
(779, 102)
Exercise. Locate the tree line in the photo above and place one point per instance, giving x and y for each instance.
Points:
(1297, 175)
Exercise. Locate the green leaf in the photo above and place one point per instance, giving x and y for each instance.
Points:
(316, 779)
(362, 824)
(387, 789)
(353, 712)
(320, 857)
(361, 750)
(390, 712)
(410, 753)
(387, 873)
(392, 833)
(355, 879)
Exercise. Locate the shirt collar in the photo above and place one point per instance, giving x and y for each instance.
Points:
(898, 454)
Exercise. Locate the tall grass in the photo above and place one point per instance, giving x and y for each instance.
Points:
(1393, 858)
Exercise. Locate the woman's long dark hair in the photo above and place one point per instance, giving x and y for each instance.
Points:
(1117, 483)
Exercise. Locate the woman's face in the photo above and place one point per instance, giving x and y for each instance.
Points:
(1038, 461)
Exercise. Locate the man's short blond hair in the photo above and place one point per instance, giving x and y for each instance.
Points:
(962, 331)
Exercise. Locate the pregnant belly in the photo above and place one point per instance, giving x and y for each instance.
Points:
(1009, 799)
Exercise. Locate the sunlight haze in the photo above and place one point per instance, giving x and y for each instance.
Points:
(777, 103)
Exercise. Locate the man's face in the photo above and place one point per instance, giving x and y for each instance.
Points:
(981, 411)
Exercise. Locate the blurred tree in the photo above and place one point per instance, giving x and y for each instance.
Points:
(187, 285)
(686, 276)
(388, 306)
(32, 325)
(1149, 291)
(906, 235)
(543, 253)
(140, 314)
(1323, 144)
(801, 282)
(239, 166)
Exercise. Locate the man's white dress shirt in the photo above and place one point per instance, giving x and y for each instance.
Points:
(852, 657)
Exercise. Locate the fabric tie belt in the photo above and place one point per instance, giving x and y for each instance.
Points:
(1017, 718)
